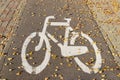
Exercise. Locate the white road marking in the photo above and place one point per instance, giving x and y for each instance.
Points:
(59, 24)
(73, 38)
(26, 65)
(98, 62)
(66, 50)
(82, 65)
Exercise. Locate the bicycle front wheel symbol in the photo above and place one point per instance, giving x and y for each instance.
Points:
(29, 68)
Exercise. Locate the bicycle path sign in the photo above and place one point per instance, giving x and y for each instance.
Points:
(66, 50)
(58, 40)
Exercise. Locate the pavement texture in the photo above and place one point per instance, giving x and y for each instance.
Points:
(107, 15)
(10, 10)
(59, 67)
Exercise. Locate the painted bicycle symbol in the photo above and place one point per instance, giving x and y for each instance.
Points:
(66, 51)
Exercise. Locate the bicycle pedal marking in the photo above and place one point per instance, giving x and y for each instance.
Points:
(66, 50)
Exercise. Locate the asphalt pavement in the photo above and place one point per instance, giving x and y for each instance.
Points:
(59, 67)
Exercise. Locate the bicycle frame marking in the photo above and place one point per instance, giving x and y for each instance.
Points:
(64, 47)
(66, 51)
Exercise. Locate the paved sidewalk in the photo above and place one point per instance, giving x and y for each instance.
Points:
(10, 11)
(52, 62)
(107, 15)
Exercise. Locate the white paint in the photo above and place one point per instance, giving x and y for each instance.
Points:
(98, 62)
(26, 65)
(74, 37)
(59, 24)
(67, 31)
(64, 24)
(66, 50)
(82, 65)
(51, 37)
(38, 47)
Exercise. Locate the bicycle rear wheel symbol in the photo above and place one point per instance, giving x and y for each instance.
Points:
(66, 50)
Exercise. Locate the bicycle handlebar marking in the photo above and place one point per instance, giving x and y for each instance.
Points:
(66, 50)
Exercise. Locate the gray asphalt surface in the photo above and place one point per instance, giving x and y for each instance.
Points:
(59, 68)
